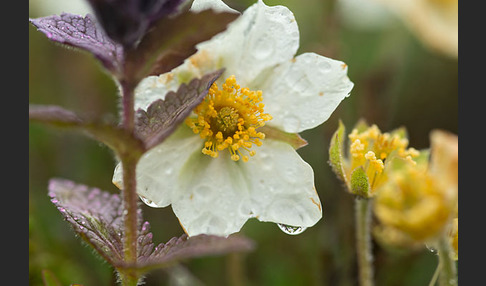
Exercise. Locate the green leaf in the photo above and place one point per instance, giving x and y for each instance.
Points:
(109, 133)
(171, 41)
(359, 183)
(336, 156)
(293, 139)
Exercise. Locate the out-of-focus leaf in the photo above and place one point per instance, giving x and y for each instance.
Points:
(83, 33)
(163, 116)
(359, 183)
(49, 279)
(127, 20)
(53, 115)
(294, 139)
(171, 41)
(336, 155)
(95, 215)
(107, 132)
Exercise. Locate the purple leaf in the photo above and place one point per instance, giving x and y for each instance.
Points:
(95, 215)
(126, 21)
(163, 116)
(82, 33)
(109, 133)
(183, 248)
(171, 41)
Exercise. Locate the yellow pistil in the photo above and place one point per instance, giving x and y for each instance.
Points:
(370, 149)
(228, 118)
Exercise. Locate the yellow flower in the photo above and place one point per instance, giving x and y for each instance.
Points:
(370, 153)
(419, 202)
(434, 22)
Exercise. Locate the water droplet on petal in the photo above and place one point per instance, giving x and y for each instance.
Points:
(431, 249)
(148, 202)
(292, 230)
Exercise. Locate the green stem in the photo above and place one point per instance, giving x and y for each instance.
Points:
(363, 240)
(448, 273)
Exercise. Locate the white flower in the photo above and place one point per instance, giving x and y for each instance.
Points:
(216, 180)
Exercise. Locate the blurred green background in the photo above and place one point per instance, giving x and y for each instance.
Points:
(398, 82)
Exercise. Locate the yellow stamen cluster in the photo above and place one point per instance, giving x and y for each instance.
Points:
(413, 203)
(370, 149)
(228, 118)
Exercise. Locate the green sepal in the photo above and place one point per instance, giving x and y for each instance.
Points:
(359, 184)
(336, 156)
(293, 139)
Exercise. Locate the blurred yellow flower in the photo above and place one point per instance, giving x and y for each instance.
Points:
(435, 22)
(418, 203)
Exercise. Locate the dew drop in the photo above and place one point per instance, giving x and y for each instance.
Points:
(431, 249)
(292, 230)
(148, 202)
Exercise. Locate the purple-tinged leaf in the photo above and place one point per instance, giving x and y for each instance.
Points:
(83, 33)
(171, 41)
(126, 21)
(184, 247)
(163, 116)
(97, 216)
(54, 115)
(109, 133)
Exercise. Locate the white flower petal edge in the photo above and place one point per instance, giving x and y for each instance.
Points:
(158, 170)
(261, 37)
(216, 5)
(303, 92)
(281, 186)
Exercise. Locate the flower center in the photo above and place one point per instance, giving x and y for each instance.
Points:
(371, 148)
(228, 118)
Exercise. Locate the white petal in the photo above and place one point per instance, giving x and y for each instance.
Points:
(154, 87)
(158, 170)
(216, 5)
(261, 38)
(282, 186)
(212, 197)
(303, 92)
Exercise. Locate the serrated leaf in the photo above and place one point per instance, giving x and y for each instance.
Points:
(336, 155)
(171, 41)
(83, 33)
(109, 133)
(184, 247)
(294, 139)
(95, 215)
(359, 183)
(163, 116)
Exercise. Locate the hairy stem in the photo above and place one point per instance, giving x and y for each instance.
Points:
(363, 241)
(128, 103)
(129, 162)
(448, 272)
